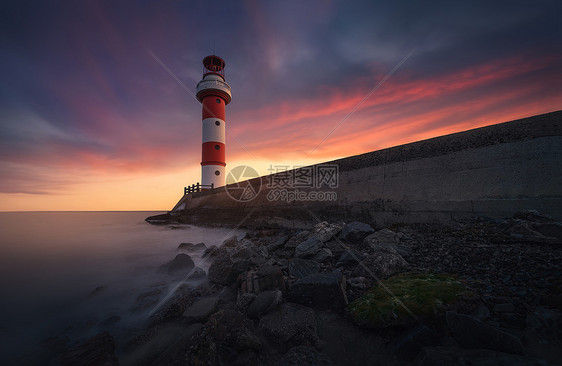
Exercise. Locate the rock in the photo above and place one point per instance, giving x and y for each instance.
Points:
(522, 229)
(174, 307)
(197, 273)
(263, 252)
(304, 356)
(325, 231)
(176, 347)
(383, 263)
(267, 277)
(410, 343)
(445, 355)
(322, 255)
(264, 303)
(278, 243)
(408, 298)
(199, 311)
(357, 282)
(244, 301)
(229, 263)
(382, 236)
(230, 242)
(355, 232)
(472, 333)
(227, 295)
(290, 324)
(386, 238)
(337, 247)
(297, 239)
(308, 248)
(322, 291)
(300, 268)
(532, 216)
(227, 338)
(550, 230)
(211, 251)
(350, 257)
(504, 308)
(98, 350)
(181, 263)
(192, 247)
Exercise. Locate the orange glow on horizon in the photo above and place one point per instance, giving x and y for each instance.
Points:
(401, 111)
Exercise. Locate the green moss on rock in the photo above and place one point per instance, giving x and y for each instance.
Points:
(407, 296)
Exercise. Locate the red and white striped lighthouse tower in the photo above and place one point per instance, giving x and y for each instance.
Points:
(214, 94)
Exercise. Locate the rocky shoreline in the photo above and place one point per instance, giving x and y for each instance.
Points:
(478, 292)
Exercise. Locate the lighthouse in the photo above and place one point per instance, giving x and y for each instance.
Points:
(214, 94)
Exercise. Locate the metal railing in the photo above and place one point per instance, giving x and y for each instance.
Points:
(197, 188)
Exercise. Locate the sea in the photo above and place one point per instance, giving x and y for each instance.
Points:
(75, 274)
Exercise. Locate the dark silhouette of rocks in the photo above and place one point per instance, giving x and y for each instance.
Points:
(481, 291)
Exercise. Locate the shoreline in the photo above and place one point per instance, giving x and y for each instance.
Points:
(292, 296)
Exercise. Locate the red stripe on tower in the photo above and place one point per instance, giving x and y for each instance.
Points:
(214, 94)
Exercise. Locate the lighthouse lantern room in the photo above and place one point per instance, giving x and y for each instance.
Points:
(214, 94)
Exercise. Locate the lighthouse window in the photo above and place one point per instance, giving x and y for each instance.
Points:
(218, 100)
(217, 172)
(217, 123)
(217, 147)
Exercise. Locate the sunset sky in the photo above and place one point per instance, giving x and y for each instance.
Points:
(91, 120)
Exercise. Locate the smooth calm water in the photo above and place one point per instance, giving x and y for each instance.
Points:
(51, 262)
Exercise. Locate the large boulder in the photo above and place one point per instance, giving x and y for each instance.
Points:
(278, 243)
(472, 333)
(230, 242)
(355, 232)
(350, 257)
(263, 303)
(386, 238)
(297, 239)
(301, 268)
(98, 350)
(290, 324)
(265, 278)
(181, 263)
(229, 263)
(308, 248)
(200, 310)
(382, 236)
(322, 255)
(321, 291)
(325, 231)
(381, 264)
(336, 246)
(211, 251)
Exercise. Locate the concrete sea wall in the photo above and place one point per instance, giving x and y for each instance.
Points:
(492, 171)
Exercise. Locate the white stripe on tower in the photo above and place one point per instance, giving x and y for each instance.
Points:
(214, 94)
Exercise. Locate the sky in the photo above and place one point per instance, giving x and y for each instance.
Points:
(96, 97)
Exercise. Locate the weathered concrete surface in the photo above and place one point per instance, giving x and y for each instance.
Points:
(492, 171)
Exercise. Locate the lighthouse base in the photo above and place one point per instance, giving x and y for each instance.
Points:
(213, 174)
